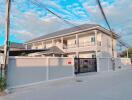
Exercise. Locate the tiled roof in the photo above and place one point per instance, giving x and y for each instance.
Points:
(52, 50)
(65, 31)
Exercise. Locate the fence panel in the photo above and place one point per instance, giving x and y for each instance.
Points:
(103, 64)
(106, 64)
(23, 71)
(59, 68)
(31, 70)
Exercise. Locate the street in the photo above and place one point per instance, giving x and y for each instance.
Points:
(93, 86)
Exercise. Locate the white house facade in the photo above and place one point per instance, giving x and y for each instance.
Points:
(84, 41)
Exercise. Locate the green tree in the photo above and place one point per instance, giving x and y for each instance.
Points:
(124, 53)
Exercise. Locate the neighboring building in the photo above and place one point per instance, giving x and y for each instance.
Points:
(15, 46)
(84, 41)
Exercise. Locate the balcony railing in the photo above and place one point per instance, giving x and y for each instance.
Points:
(82, 44)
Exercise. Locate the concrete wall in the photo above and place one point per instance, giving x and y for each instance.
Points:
(106, 64)
(107, 46)
(1, 58)
(29, 70)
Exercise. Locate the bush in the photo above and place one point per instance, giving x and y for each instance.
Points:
(2, 84)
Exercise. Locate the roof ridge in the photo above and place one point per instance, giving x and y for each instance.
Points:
(64, 31)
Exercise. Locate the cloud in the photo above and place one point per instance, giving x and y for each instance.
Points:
(118, 13)
(32, 26)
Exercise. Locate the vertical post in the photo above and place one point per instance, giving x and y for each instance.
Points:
(112, 48)
(53, 42)
(96, 42)
(127, 53)
(47, 71)
(62, 42)
(77, 41)
(26, 46)
(112, 44)
(7, 30)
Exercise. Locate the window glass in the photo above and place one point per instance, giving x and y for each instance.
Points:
(93, 56)
(92, 39)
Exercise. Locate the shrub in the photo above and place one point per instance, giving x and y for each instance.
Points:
(2, 84)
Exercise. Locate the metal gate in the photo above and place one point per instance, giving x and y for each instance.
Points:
(83, 65)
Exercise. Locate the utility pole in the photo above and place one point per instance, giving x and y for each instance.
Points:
(7, 32)
(112, 34)
(127, 52)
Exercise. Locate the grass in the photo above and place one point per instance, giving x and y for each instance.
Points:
(2, 84)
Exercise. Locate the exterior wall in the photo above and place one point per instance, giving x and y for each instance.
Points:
(106, 64)
(103, 47)
(85, 39)
(49, 44)
(106, 45)
(72, 55)
(71, 42)
(86, 55)
(31, 70)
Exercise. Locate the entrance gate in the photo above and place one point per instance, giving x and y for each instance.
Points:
(83, 65)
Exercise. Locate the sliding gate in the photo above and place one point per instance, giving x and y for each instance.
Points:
(83, 65)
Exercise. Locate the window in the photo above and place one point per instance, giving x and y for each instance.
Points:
(93, 56)
(92, 39)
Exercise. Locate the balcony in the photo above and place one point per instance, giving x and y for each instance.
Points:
(84, 46)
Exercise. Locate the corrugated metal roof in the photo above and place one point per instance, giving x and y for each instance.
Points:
(15, 45)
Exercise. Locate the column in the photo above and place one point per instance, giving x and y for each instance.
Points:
(44, 45)
(77, 41)
(26, 46)
(96, 43)
(62, 42)
(53, 42)
(127, 53)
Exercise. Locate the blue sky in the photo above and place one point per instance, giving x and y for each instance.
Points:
(29, 21)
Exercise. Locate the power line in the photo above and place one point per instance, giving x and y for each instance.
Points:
(107, 22)
(103, 13)
(35, 2)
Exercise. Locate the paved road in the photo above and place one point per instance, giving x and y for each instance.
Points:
(95, 86)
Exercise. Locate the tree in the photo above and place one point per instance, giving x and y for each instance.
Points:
(124, 53)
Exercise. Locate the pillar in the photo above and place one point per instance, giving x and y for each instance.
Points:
(62, 42)
(96, 42)
(77, 41)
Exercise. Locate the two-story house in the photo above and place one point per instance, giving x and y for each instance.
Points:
(84, 41)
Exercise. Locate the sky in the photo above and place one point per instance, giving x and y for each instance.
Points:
(29, 21)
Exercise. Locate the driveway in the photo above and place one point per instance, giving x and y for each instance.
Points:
(93, 86)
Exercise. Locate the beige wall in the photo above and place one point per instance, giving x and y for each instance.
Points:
(107, 46)
(86, 55)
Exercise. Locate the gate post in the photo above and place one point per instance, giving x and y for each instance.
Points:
(98, 64)
(47, 71)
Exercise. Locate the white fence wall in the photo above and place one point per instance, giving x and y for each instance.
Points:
(1, 58)
(29, 70)
(105, 64)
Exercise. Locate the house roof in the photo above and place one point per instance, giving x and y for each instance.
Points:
(23, 51)
(52, 50)
(15, 45)
(65, 31)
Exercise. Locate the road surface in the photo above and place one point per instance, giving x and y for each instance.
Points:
(93, 86)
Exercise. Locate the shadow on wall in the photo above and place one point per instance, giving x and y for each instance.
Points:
(22, 71)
